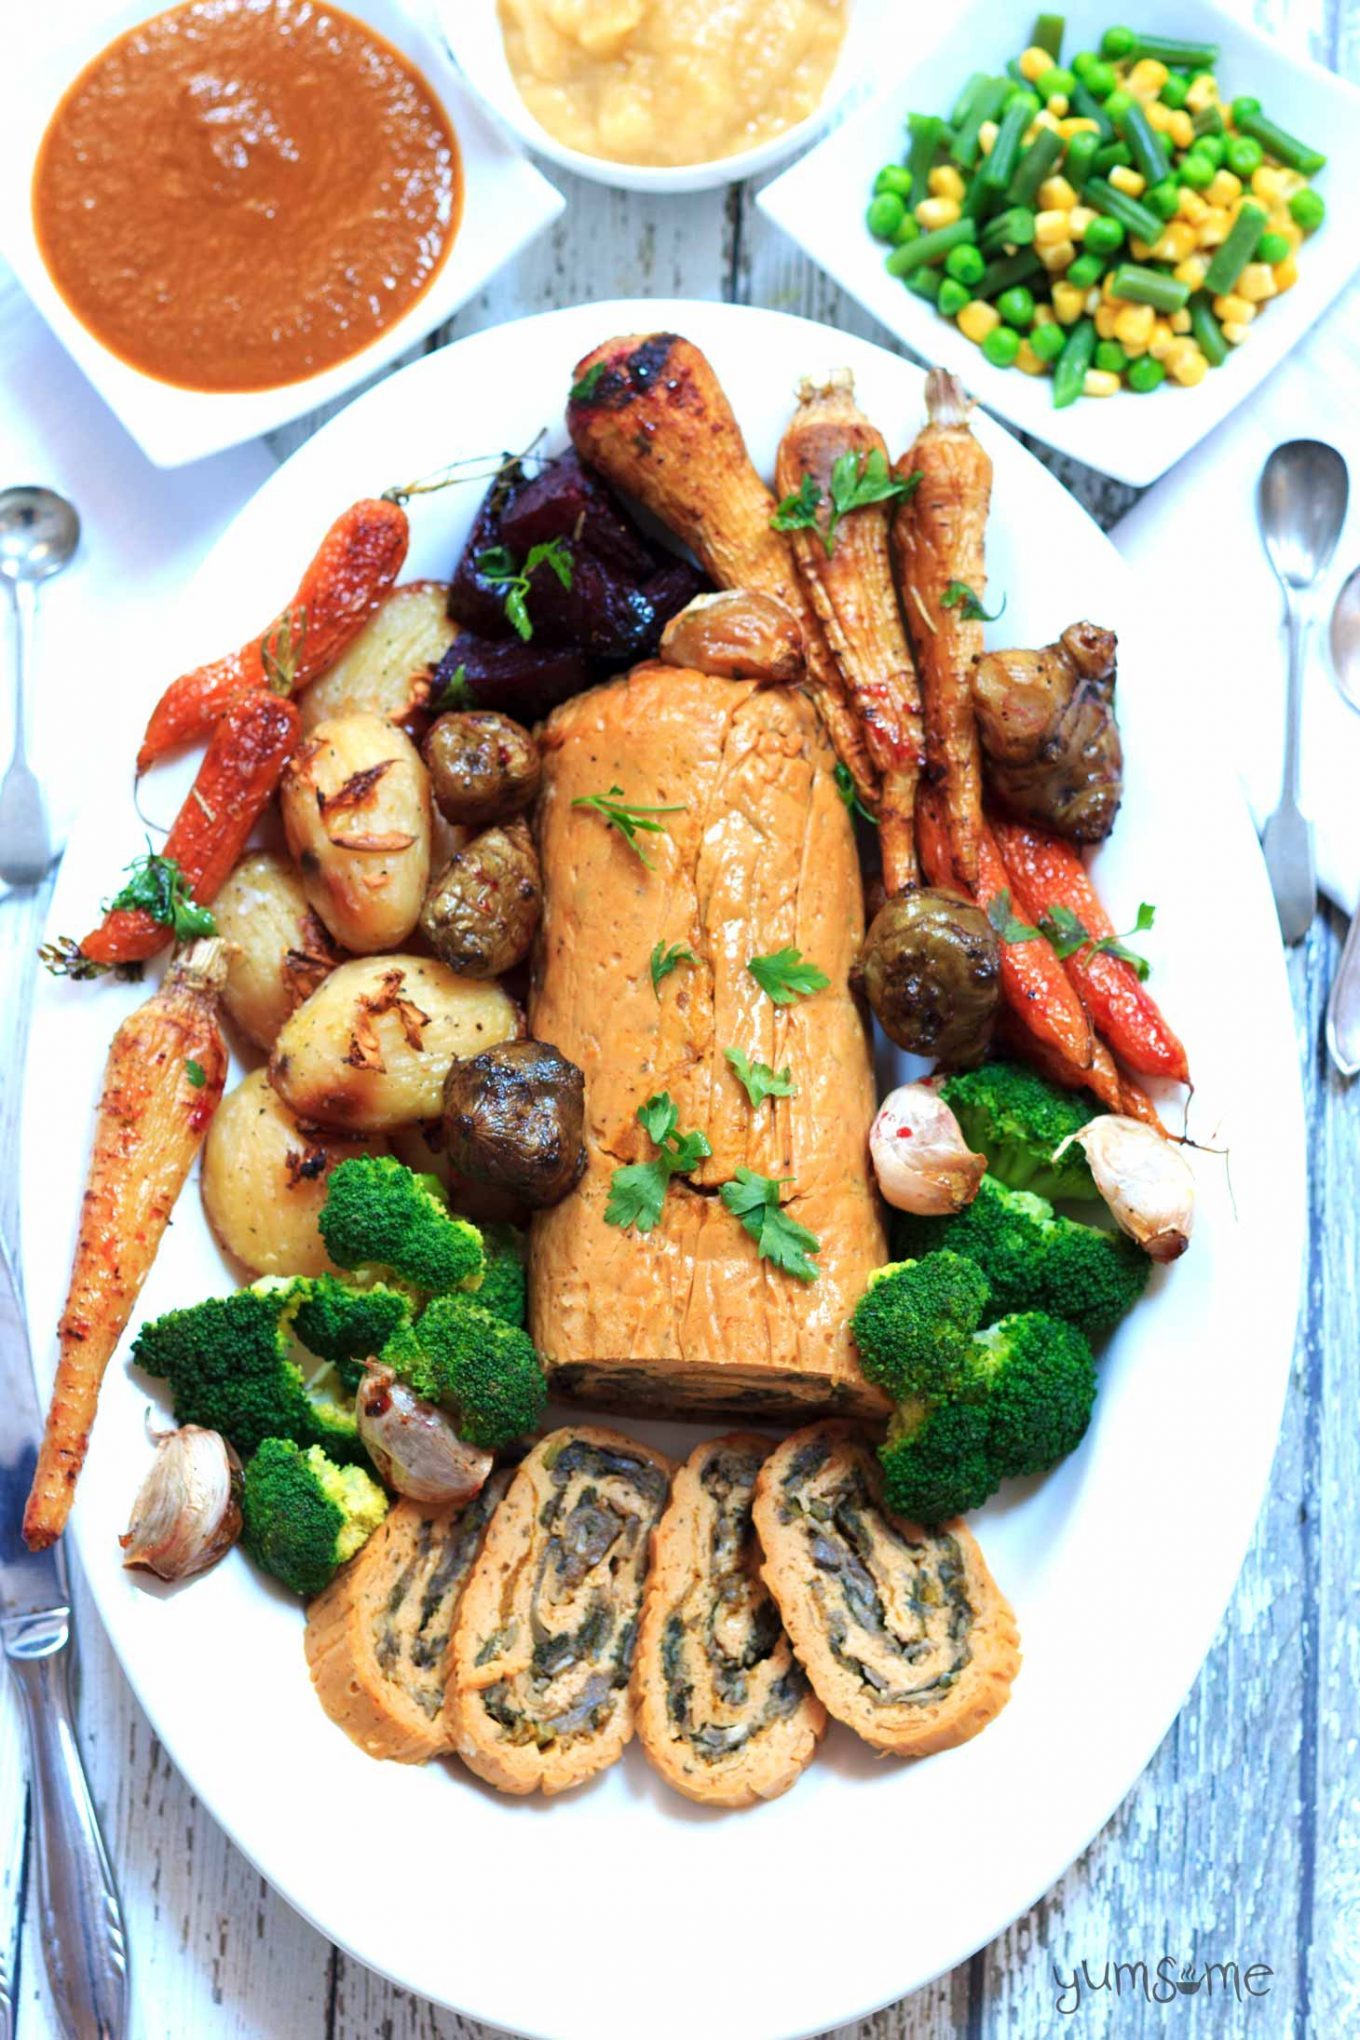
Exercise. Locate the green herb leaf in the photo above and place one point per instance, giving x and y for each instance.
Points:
(1064, 929)
(760, 1080)
(637, 1192)
(456, 693)
(958, 595)
(799, 511)
(158, 887)
(628, 817)
(496, 564)
(857, 480)
(784, 977)
(849, 793)
(581, 392)
(196, 1073)
(1069, 935)
(664, 961)
(754, 1200)
(554, 553)
(1004, 923)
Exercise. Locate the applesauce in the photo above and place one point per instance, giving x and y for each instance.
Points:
(671, 82)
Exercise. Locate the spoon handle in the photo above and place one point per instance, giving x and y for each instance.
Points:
(1343, 1007)
(1300, 622)
(24, 601)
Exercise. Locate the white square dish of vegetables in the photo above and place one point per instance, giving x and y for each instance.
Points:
(1158, 342)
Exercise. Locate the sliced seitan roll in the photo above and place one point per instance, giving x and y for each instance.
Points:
(903, 1632)
(378, 1636)
(724, 1709)
(760, 857)
(538, 1689)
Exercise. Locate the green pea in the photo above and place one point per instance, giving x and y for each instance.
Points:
(1086, 270)
(1307, 209)
(1021, 95)
(953, 297)
(1243, 109)
(1145, 374)
(1082, 62)
(1103, 236)
(885, 215)
(965, 263)
(1163, 198)
(1118, 102)
(1001, 346)
(1100, 80)
(1048, 341)
(1016, 306)
(1050, 83)
(1118, 42)
(1111, 357)
(1173, 93)
(1243, 156)
(893, 177)
(1272, 248)
(908, 231)
(1213, 147)
(1196, 170)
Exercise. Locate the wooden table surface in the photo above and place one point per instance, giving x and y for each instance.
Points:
(1242, 1839)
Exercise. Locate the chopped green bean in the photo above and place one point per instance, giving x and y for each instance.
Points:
(1084, 105)
(1013, 228)
(927, 133)
(1209, 120)
(1148, 159)
(1048, 34)
(1037, 162)
(1114, 156)
(1149, 287)
(1169, 49)
(1069, 371)
(999, 168)
(1232, 255)
(1130, 212)
(1081, 158)
(985, 104)
(927, 248)
(1022, 267)
(925, 283)
(1206, 331)
(1285, 148)
(964, 100)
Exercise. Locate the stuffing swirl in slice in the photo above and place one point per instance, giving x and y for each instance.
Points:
(724, 1709)
(538, 1692)
(378, 1636)
(903, 1632)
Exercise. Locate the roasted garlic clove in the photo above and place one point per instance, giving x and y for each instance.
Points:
(737, 634)
(413, 1445)
(921, 1159)
(188, 1509)
(1145, 1180)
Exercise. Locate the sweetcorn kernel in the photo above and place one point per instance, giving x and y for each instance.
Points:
(1192, 271)
(1181, 128)
(1231, 306)
(1126, 179)
(944, 181)
(1213, 228)
(1069, 302)
(1057, 104)
(1076, 124)
(937, 212)
(1043, 119)
(1050, 227)
(1033, 63)
(1028, 360)
(1234, 332)
(1092, 301)
(1286, 274)
(1055, 193)
(977, 320)
(1265, 183)
(1203, 92)
(1225, 189)
(1191, 205)
(1257, 283)
(1158, 116)
(987, 136)
(1079, 219)
(1099, 382)
(1133, 326)
(1043, 315)
(1181, 322)
(1188, 367)
(1162, 341)
(1107, 318)
(1178, 241)
(1147, 78)
(1290, 182)
(1140, 250)
(1057, 256)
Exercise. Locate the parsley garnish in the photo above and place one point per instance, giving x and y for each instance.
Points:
(496, 565)
(1069, 935)
(628, 816)
(664, 961)
(156, 886)
(783, 976)
(196, 1073)
(857, 480)
(638, 1191)
(755, 1201)
(455, 693)
(958, 595)
(581, 392)
(1004, 923)
(760, 1080)
(849, 793)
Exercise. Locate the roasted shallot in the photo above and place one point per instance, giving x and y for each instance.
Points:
(187, 1513)
(1145, 1180)
(921, 1159)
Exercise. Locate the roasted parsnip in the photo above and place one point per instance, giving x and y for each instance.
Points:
(938, 546)
(847, 576)
(164, 1075)
(648, 412)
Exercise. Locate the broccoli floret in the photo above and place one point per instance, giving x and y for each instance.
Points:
(346, 1325)
(233, 1367)
(914, 1324)
(504, 1287)
(381, 1219)
(1034, 1259)
(1013, 1116)
(484, 1371)
(304, 1515)
(1026, 1406)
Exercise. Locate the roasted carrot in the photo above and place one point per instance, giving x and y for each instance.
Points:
(938, 543)
(932, 839)
(1033, 982)
(357, 563)
(1046, 872)
(249, 748)
(846, 572)
(165, 1071)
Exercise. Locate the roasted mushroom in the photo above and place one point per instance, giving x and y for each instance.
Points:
(736, 634)
(483, 767)
(480, 914)
(514, 1116)
(932, 973)
(1049, 733)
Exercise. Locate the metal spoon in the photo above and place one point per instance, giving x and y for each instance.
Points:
(1343, 1005)
(1301, 507)
(39, 531)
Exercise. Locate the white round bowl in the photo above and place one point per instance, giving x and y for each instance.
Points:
(472, 30)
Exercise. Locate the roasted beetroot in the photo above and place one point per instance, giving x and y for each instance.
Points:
(566, 501)
(522, 681)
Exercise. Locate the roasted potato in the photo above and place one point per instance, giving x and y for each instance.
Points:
(278, 949)
(483, 767)
(370, 1049)
(483, 909)
(356, 811)
(513, 1116)
(264, 1181)
(388, 669)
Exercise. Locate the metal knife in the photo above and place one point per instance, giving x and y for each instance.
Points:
(80, 1921)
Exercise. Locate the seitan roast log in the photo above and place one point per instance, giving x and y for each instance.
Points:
(759, 857)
